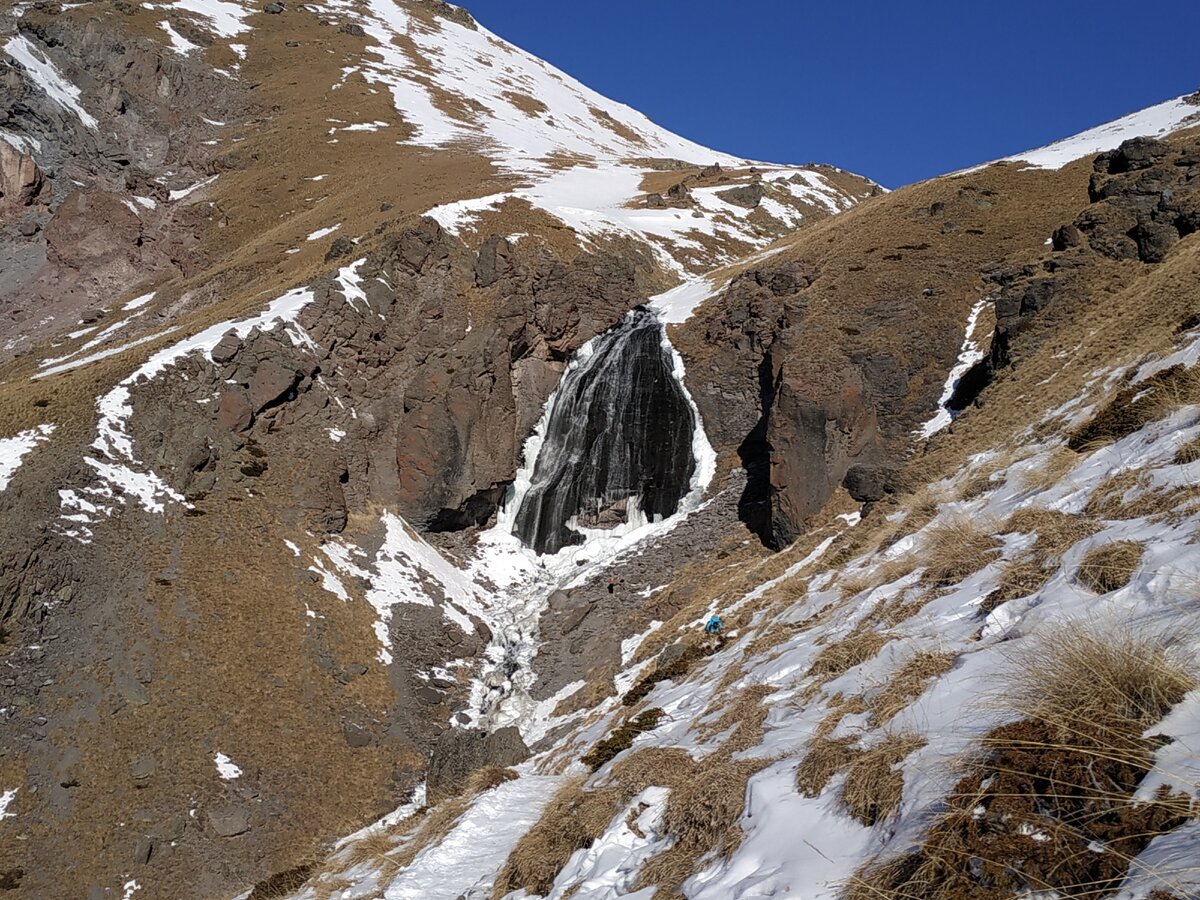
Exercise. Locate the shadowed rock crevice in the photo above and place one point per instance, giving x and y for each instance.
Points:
(619, 439)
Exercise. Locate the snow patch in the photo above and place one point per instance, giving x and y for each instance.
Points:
(42, 72)
(226, 767)
(15, 448)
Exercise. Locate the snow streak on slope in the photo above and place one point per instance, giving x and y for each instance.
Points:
(1154, 121)
(13, 450)
(118, 471)
(809, 846)
(42, 72)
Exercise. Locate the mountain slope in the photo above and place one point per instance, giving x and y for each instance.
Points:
(289, 292)
(1019, 601)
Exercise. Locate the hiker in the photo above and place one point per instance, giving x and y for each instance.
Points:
(715, 625)
(612, 585)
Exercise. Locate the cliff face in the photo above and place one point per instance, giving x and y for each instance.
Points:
(285, 292)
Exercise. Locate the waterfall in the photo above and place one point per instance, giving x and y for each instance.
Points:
(617, 447)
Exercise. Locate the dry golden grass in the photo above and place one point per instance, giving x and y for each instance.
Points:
(746, 715)
(826, 757)
(1188, 453)
(1057, 467)
(702, 815)
(954, 550)
(1081, 680)
(1137, 405)
(860, 645)
(1056, 531)
(909, 683)
(874, 786)
(1069, 771)
(1109, 567)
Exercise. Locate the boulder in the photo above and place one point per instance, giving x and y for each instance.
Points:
(229, 821)
(20, 178)
(461, 751)
(748, 195)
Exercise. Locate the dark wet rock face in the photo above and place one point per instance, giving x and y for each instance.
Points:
(620, 427)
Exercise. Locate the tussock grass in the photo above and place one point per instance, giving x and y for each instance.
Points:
(1084, 681)
(1049, 787)
(874, 785)
(1188, 453)
(1056, 532)
(1110, 567)
(860, 645)
(621, 738)
(1057, 467)
(1137, 405)
(909, 683)
(746, 715)
(572, 821)
(955, 550)
(702, 814)
(675, 670)
(826, 757)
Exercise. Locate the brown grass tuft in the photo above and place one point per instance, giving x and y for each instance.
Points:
(1049, 788)
(1057, 466)
(621, 738)
(826, 757)
(909, 683)
(572, 821)
(703, 815)
(1083, 681)
(854, 649)
(955, 550)
(874, 785)
(1109, 567)
(1188, 453)
(1138, 405)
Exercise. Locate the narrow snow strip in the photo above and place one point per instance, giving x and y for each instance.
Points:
(139, 302)
(5, 799)
(43, 73)
(188, 191)
(970, 354)
(103, 354)
(1154, 121)
(226, 767)
(466, 861)
(322, 232)
(14, 449)
(179, 43)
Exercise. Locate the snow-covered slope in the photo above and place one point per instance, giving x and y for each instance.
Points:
(883, 657)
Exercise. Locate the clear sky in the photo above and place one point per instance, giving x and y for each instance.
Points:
(897, 91)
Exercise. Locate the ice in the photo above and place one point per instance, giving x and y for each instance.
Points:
(678, 304)
(15, 448)
(226, 767)
(43, 73)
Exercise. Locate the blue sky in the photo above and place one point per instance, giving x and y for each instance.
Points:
(895, 91)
